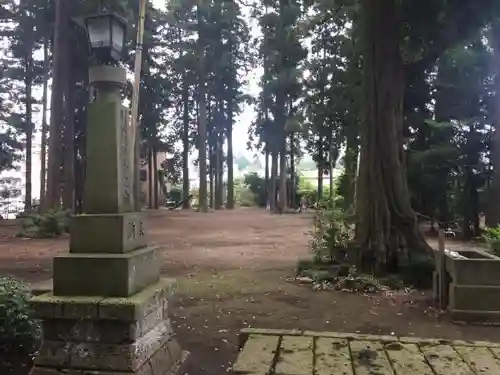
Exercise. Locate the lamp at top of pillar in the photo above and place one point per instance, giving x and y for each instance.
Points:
(106, 32)
(107, 168)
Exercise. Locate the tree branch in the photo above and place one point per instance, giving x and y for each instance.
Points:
(464, 17)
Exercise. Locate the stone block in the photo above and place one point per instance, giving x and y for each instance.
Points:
(99, 330)
(54, 353)
(174, 349)
(140, 304)
(118, 336)
(107, 233)
(49, 306)
(109, 275)
(158, 349)
(116, 357)
(38, 370)
(161, 360)
(150, 300)
(474, 297)
(42, 287)
(90, 330)
(479, 271)
(476, 316)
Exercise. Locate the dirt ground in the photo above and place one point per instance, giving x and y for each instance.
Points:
(235, 270)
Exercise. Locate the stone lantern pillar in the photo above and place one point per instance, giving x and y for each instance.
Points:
(108, 311)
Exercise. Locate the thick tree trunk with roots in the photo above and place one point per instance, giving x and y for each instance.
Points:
(386, 222)
(493, 214)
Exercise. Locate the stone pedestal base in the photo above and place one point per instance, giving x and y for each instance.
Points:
(107, 336)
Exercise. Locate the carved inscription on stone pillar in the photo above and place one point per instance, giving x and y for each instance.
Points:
(125, 161)
(135, 229)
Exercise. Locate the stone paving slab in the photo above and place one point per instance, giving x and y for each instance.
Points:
(295, 352)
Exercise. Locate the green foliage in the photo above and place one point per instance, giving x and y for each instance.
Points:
(19, 331)
(175, 194)
(332, 231)
(245, 197)
(48, 225)
(257, 186)
(308, 190)
(492, 237)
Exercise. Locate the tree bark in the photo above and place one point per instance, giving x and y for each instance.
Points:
(266, 174)
(27, 35)
(220, 172)
(69, 141)
(29, 126)
(292, 171)
(202, 124)
(280, 122)
(320, 183)
(274, 176)
(387, 223)
(351, 165)
(155, 179)
(230, 157)
(150, 178)
(43, 152)
(185, 143)
(332, 159)
(493, 214)
(211, 173)
(53, 196)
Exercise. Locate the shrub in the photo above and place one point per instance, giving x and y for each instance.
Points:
(332, 231)
(175, 194)
(492, 237)
(19, 331)
(48, 225)
(257, 186)
(246, 198)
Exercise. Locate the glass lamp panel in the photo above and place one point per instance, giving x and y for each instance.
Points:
(118, 35)
(99, 32)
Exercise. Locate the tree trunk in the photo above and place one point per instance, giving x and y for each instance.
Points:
(266, 174)
(385, 217)
(351, 166)
(155, 179)
(43, 151)
(69, 142)
(56, 105)
(230, 162)
(274, 177)
(493, 214)
(220, 172)
(211, 180)
(29, 127)
(292, 171)
(332, 158)
(320, 183)
(27, 36)
(202, 124)
(280, 121)
(150, 178)
(283, 179)
(185, 143)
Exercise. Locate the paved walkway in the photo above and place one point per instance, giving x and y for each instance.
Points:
(329, 353)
